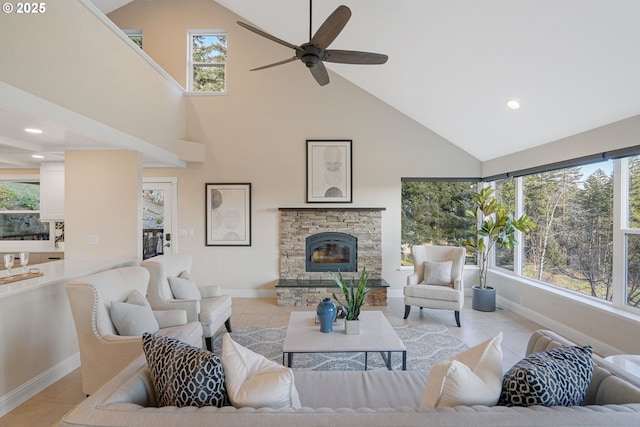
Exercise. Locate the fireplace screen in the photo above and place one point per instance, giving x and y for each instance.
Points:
(331, 252)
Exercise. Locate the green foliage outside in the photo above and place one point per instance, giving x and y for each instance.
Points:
(16, 225)
(209, 58)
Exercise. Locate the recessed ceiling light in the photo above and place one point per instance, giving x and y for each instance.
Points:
(513, 104)
(33, 130)
(37, 156)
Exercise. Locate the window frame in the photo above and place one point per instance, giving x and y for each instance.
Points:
(14, 245)
(191, 65)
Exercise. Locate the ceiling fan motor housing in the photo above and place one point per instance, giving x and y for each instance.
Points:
(309, 55)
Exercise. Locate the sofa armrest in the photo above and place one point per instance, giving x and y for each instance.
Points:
(209, 291)
(412, 279)
(168, 318)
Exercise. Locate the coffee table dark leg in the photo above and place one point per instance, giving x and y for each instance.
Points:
(404, 360)
(289, 359)
(366, 360)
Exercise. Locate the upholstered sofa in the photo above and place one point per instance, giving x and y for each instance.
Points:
(372, 398)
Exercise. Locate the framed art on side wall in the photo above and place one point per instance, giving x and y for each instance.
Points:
(329, 171)
(228, 212)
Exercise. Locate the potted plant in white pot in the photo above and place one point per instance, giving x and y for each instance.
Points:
(498, 227)
(353, 300)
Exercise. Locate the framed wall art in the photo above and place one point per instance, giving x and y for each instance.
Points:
(228, 212)
(329, 171)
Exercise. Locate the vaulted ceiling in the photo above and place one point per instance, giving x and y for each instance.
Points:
(573, 65)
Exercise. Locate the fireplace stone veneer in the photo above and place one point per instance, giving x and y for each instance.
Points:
(296, 224)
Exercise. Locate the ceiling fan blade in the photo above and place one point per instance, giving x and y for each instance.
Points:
(319, 72)
(331, 27)
(354, 57)
(268, 36)
(275, 64)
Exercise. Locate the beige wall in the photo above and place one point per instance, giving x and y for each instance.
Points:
(103, 205)
(69, 57)
(257, 134)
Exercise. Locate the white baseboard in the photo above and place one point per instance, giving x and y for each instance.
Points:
(21, 394)
(599, 347)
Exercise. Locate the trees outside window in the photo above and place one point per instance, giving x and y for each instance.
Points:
(433, 213)
(19, 212)
(207, 61)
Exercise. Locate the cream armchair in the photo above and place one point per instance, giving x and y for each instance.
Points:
(104, 353)
(437, 279)
(211, 310)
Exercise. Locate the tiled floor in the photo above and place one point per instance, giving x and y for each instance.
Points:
(48, 407)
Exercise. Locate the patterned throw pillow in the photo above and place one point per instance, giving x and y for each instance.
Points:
(184, 375)
(556, 377)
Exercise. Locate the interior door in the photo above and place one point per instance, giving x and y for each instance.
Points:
(159, 222)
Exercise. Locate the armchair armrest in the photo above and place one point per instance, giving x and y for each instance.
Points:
(209, 291)
(192, 307)
(457, 284)
(168, 318)
(412, 279)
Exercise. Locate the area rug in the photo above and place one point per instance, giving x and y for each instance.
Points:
(426, 345)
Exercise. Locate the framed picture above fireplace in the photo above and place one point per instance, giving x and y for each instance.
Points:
(329, 171)
(228, 212)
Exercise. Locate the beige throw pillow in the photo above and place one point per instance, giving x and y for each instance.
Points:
(254, 381)
(437, 273)
(473, 377)
(134, 316)
(182, 288)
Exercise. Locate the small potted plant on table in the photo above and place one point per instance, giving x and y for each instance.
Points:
(353, 300)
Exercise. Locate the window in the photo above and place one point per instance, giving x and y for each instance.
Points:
(433, 212)
(632, 230)
(135, 36)
(573, 244)
(19, 212)
(505, 194)
(207, 61)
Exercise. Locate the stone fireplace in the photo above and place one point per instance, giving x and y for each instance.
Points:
(315, 241)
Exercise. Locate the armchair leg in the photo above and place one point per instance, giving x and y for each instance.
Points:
(407, 309)
(227, 324)
(457, 313)
(209, 343)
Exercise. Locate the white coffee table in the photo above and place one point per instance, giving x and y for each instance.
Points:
(376, 335)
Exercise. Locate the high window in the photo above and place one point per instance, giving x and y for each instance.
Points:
(207, 61)
(135, 36)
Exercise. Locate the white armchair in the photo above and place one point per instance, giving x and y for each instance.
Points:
(437, 280)
(211, 310)
(103, 352)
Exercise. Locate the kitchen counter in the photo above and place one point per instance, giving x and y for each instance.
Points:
(58, 272)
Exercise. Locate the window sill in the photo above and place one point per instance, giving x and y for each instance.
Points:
(188, 93)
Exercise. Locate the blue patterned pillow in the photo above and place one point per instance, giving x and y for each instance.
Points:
(184, 375)
(556, 377)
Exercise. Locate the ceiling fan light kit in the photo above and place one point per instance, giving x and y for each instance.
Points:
(315, 51)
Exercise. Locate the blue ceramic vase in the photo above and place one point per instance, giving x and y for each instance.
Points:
(326, 315)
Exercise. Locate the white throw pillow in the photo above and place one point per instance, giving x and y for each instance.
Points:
(473, 377)
(437, 273)
(134, 316)
(255, 381)
(184, 288)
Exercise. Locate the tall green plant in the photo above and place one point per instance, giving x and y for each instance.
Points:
(497, 227)
(353, 297)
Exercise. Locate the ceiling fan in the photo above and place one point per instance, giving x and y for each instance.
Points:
(314, 52)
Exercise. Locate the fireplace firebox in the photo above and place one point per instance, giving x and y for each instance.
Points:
(331, 251)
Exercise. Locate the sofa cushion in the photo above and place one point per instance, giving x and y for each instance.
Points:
(556, 377)
(183, 288)
(437, 273)
(254, 381)
(184, 375)
(473, 377)
(134, 316)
